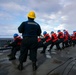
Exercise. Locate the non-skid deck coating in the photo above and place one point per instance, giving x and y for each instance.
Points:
(48, 64)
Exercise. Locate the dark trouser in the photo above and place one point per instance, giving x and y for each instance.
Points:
(74, 42)
(28, 43)
(55, 43)
(62, 42)
(46, 44)
(40, 44)
(66, 44)
(70, 41)
(14, 51)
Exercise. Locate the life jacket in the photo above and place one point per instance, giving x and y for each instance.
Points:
(60, 35)
(54, 37)
(48, 39)
(72, 37)
(65, 37)
(75, 33)
(18, 39)
(67, 33)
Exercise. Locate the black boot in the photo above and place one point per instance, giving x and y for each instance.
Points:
(42, 52)
(34, 66)
(49, 50)
(9, 55)
(20, 67)
(62, 47)
(73, 45)
(12, 58)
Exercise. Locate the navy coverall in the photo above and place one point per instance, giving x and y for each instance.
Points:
(30, 31)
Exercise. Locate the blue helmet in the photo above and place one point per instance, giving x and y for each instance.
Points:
(64, 30)
(52, 32)
(15, 35)
(59, 30)
(74, 31)
(44, 32)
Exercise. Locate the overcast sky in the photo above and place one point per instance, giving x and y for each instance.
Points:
(52, 15)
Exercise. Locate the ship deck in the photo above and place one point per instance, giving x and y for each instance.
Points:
(59, 63)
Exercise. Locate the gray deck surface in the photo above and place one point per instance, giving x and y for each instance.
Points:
(46, 63)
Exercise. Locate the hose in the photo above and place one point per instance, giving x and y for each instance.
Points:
(67, 66)
(71, 68)
(59, 65)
